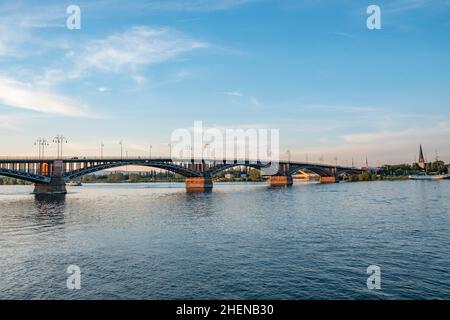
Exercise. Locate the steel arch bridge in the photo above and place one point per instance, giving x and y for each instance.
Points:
(51, 175)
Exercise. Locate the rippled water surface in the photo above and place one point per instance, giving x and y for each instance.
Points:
(155, 241)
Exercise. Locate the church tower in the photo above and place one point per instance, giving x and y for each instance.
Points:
(421, 158)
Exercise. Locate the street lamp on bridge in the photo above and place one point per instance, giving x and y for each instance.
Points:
(121, 149)
(41, 143)
(101, 149)
(60, 140)
(205, 150)
(321, 159)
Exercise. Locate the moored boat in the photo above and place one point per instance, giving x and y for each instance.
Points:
(74, 184)
(430, 177)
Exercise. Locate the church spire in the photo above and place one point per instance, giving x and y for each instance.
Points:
(421, 158)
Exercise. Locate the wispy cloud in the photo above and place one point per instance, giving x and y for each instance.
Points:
(123, 53)
(140, 80)
(18, 23)
(136, 47)
(20, 95)
(381, 147)
(254, 101)
(103, 89)
(233, 93)
(442, 129)
(237, 94)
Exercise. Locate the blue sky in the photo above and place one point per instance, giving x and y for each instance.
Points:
(136, 72)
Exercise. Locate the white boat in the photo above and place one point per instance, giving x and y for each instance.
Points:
(74, 184)
(430, 177)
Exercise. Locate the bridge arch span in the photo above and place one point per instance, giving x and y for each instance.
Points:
(222, 167)
(319, 171)
(169, 166)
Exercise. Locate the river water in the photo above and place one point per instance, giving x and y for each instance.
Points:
(241, 241)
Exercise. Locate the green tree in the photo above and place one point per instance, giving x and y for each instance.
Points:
(255, 175)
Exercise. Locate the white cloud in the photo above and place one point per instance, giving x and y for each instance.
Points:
(18, 21)
(25, 96)
(237, 94)
(442, 129)
(233, 93)
(140, 80)
(10, 38)
(136, 47)
(384, 146)
(103, 89)
(255, 101)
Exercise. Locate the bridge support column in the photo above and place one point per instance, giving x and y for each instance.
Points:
(57, 184)
(328, 180)
(199, 184)
(280, 181)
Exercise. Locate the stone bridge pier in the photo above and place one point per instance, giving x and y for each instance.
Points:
(328, 180)
(283, 178)
(280, 181)
(57, 183)
(198, 184)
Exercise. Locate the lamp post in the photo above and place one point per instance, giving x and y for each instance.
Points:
(44, 143)
(205, 148)
(101, 150)
(41, 143)
(288, 152)
(170, 150)
(121, 149)
(191, 154)
(60, 140)
(150, 153)
(38, 143)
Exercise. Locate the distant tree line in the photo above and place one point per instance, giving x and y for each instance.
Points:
(399, 172)
(239, 174)
(11, 181)
(236, 174)
(121, 177)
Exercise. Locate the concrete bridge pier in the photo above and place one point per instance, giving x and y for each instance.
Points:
(57, 184)
(199, 184)
(280, 181)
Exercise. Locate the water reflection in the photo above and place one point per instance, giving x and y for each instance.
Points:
(50, 208)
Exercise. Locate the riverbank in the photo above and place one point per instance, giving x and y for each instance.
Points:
(365, 177)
